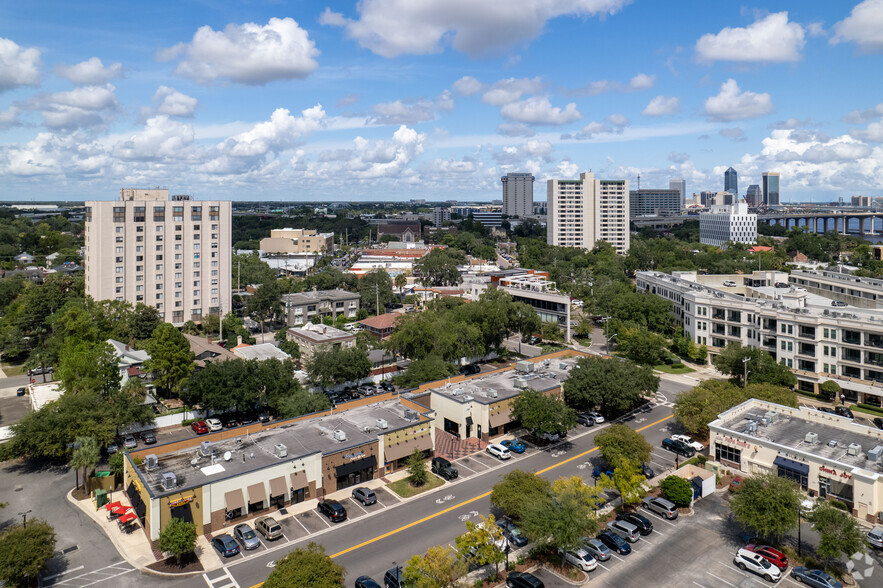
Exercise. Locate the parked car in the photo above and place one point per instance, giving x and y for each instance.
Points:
(596, 549)
(40, 371)
(660, 506)
(826, 409)
(443, 468)
(514, 445)
(844, 412)
(774, 556)
(736, 483)
(549, 437)
(523, 580)
(148, 437)
(624, 529)
(387, 386)
(199, 427)
(647, 471)
(585, 419)
(807, 506)
(498, 451)
(878, 422)
(246, 418)
(246, 536)
(580, 558)
(729, 284)
(225, 545)
(112, 448)
(268, 527)
(214, 424)
(689, 441)
(781, 285)
(814, 578)
(20, 392)
(598, 471)
(394, 578)
(645, 527)
(749, 561)
(365, 495)
(838, 303)
(512, 533)
(333, 510)
(366, 582)
(678, 447)
(263, 416)
(597, 416)
(875, 537)
(615, 542)
(230, 421)
(470, 369)
(129, 442)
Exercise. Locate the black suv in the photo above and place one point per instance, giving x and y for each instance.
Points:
(394, 578)
(443, 468)
(844, 412)
(523, 580)
(585, 419)
(333, 510)
(470, 369)
(678, 447)
(645, 527)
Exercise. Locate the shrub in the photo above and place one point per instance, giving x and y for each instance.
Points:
(839, 505)
(871, 407)
(678, 490)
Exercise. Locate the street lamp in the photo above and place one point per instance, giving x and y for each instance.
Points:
(745, 361)
(798, 531)
(607, 343)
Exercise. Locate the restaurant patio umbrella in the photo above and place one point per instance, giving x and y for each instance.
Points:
(113, 505)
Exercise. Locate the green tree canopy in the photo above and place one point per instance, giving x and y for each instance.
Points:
(830, 390)
(628, 479)
(375, 285)
(614, 385)
(249, 269)
(517, 491)
(24, 550)
(338, 365)
(678, 490)
(767, 504)
(479, 543)
(306, 567)
(762, 367)
(619, 443)
(564, 519)
(542, 413)
(640, 345)
(425, 370)
(839, 533)
(171, 360)
(439, 267)
(417, 473)
(440, 567)
(178, 538)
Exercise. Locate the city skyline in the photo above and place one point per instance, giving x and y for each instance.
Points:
(372, 102)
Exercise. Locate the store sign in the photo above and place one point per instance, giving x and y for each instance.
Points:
(737, 442)
(833, 472)
(180, 501)
(354, 455)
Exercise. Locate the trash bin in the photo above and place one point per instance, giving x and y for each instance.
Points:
(100, 498)
(102, 474)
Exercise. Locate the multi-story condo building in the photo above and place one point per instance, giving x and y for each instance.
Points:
(440, 215)
(298, 241)
(170, 253)
(723, 224)
(861, 201)
(517, 194)
(840, 286)
(681, 186)
(302, 307)
(771, 189)
(754, 195)
(817, 340)
(585, 211)
(539, 208)
(653, 202)
(731, 181)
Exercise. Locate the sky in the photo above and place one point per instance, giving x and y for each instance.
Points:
(435, 99)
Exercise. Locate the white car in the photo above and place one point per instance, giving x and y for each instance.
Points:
(752, 562)
(689, 441)
(214, 424)
(807, 506)
(498, 451)
(580, 558)
(597, 416)
(729, 284)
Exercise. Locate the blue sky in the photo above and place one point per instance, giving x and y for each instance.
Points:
(435, 99)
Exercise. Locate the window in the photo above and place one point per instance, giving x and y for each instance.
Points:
(159, 237)
(196, 256)
(119, 280)
(732, 455)
(119, 230)
(159, 214)
(119, 239)
(119, 214)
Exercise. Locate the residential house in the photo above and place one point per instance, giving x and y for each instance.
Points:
(380, 326)
(206, 352)
(129, 360)
(259, 352)
(301, 307)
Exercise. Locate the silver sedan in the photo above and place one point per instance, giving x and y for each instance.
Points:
(246, 536)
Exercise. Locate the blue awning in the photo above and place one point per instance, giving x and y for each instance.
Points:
(790, 464)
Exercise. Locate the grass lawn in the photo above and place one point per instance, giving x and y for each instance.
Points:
(13, 370)
(404, 489)
(875, 413)
(673, 370)
(551, 348)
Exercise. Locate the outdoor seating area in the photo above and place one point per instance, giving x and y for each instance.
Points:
(125, 518)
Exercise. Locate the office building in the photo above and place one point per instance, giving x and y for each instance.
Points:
(731, 181)
(754, 195)
(296, 241)
(492, 219)
(148, 248)
(654, 203)
(517, 194)
(861, 201)
(681, 186)
(539, 208)
(723, 224)
(440, 215)
(771, 189)
(585, 211)
(862, 292)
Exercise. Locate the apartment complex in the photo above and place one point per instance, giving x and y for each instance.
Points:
(298, 241)
(585, 211)
(800, 329)
(440, 215)
(517, 194)
(312, 338)
(654, 202)
(724, 224)
(302, 307)
(841, 286)
(771, 189)
(148, 248)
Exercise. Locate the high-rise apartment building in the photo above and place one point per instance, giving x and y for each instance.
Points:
(517, 194)
(681, 186)
(754, 195)
(584, 211)
(173, 254)
(440, 215)
(653, 202)
(731, 181)
(724, 223)
(771, 189)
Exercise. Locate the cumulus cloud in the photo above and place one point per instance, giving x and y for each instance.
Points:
(863, 26)
(642, 82)
(161, 138)
(772, 39)
(9, 117)
(169, 101)
(370, 159)
(676, 157)
(18, 66)
(86, 106)
(411, 111)
(90, 72)
(732, 104)
(734, 133)
(511, 90)
(248, 54)
(539, 111)
(590, 130)
(515, 130)
(662, 106)
(860, 117)
(276, 134)
(639, 82)
(467, 86)
(519, 154)
(394, 27)
(873, 133)
(618, 120)
(790, 123)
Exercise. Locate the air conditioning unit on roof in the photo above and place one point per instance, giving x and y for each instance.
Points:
(853, 449)
(811, 438)
(339, 435)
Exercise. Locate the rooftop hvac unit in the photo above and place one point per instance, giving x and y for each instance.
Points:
(524, 367)
(771, 416)
(875, 453)
(562, 366)
(382, 424)
(339, 435)
(811, 438)
(151, 461)
(468, 398)
(169, 481)
(547, 362)
(751, 427)
(853, 449)
(492, 393)
(520, 383)
(410, 415)
(456, 391)
(280, 450)
(205, 448)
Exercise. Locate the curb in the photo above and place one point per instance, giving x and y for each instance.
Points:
(565, 579)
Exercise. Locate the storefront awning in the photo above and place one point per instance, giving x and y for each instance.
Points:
(355, 466)
(257, 493)
(277, 486)
(500, 417)
(233, 499)
(406, 448)
(299, 480)
(790, 464)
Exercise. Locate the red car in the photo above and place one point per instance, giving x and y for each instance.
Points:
(199, 427)
(774, 556)
(736, 483)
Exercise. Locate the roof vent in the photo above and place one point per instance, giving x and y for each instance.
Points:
(771, 416)
(812, 438)
(382, 424)
(853, 449)
(339, 435)
(492, 393)
(280, 450)
(410, 415)
(468, 398)
(169, 481)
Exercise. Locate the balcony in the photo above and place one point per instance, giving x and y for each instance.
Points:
(807, 332)
(853, 355)
(717, 314)
(874, 341)
(874, 358)
(852, 337)
(808, 366)
(719, 329)
(804, 349)
(734, 316)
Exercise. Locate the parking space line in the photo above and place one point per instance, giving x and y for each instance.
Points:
(734, 568)
(656, 516)
(721, 580)
(650, 542)
(301, 525)
(356, 502)
(698, 584)
(321, 518)
(603, 566)
(616, 556)
(655, 530)
(467, 467)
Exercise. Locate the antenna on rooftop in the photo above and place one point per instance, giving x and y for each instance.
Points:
(639, 181)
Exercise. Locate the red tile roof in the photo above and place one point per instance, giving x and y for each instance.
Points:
(380, 322)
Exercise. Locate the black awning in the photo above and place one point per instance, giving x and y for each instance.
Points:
(469, 421)
(355, 466)
(791, 465)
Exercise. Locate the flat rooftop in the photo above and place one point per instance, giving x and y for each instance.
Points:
(319, 295)
(321, 333)
(547, 374)
(256, 450)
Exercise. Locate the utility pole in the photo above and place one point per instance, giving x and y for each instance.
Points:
(745, 361)
(377, 307)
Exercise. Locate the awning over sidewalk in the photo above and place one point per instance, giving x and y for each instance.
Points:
(407, 447)
(277, 486)
(501, 417)
(257, 493)
(299, 480)
(790, 464)
(233, 500)
(355, 466)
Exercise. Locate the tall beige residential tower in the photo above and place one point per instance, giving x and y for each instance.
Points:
(172, 254)
(584, 211)
(517, 194)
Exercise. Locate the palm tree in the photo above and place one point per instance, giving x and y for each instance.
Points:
(86, 455)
